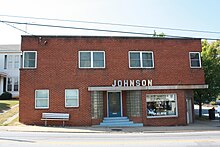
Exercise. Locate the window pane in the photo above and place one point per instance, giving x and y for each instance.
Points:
(135, 60)
(85, 59)
(10, 61)
(98, 64)
(41, 94)
(42, 103)
(9, 87)
(135, 56)
(147, 59)
(15, 84)
(98, 59)
(16, 62)
(98, 56)
(71, 103)
(161, 105)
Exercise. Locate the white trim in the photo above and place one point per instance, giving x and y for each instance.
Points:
(120, 104)
(77, 90)
(200, 64)
(35, 66)
(141, 63)
(176, 101)
(47, 101)
(110, 88)
(91, 53)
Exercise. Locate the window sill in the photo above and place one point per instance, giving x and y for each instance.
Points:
(168, 116)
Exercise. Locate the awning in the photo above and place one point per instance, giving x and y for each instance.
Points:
(165, 87)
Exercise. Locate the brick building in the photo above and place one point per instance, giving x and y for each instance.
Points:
(148, 80)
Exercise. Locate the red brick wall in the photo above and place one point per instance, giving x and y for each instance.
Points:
(57, 70)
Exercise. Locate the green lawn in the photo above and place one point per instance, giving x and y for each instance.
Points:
(7, 104)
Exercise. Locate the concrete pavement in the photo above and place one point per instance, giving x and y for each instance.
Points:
(198, 126)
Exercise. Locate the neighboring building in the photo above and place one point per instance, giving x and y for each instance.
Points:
(149, 80)
(10, 61)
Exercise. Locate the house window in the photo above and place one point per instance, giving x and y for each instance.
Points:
(10, 61)
(92, 59)
(41, 99)
(15, 84)
(30, 59)
(141, 59)
(195, 60)
(161, 105)
(9, 84)
(71, 98)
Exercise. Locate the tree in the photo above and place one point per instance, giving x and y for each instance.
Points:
(211, 66)
(158, 35)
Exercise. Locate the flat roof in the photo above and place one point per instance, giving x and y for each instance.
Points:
(10, 48)
(110, 37)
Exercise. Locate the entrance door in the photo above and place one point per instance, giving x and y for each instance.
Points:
(114, 104)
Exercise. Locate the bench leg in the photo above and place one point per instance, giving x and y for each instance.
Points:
(63, 123)
(45, 123)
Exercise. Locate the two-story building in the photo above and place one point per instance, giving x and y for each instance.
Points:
(10, 61)
(148, 80)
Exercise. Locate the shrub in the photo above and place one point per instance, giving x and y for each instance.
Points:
(6, 96)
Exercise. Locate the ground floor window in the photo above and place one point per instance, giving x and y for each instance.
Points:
(161, 105)
(12, 84)
(134, 103)
(71, 98)
(41, 99)
(97, 104)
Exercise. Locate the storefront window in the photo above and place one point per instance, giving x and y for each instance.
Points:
(161, 105)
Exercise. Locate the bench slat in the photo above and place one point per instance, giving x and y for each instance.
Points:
(55, 116)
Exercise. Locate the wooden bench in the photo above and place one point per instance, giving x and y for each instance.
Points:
(55, 116)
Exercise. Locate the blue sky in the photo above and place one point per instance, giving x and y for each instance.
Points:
(183, 14)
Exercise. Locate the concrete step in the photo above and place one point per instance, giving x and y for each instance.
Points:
(119, 122)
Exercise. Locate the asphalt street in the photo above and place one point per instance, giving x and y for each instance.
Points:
(45, 139)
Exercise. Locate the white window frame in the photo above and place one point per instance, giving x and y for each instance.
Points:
(200, 64)
(35, 59)
(141, 52)
(77, 98)
(176, 100)
(92, 59)
(36, 99)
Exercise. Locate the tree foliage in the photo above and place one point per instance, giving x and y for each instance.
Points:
(211, 66)
(158, 35)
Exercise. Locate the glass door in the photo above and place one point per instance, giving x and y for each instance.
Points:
(114, 104)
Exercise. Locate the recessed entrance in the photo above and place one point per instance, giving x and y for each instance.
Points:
(114, 104)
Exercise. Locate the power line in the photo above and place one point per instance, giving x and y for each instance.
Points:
(100, 30)
(16, 28)
(117, 24)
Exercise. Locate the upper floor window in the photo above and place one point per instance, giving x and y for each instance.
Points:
(30, 59)
(195, 60)
(141, 59)
(71, 98)
(12, 62)
(41, 99)
(91, 59)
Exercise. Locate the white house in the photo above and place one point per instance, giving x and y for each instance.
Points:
(10, 62)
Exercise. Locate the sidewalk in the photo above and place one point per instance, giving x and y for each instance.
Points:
(198, 126)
